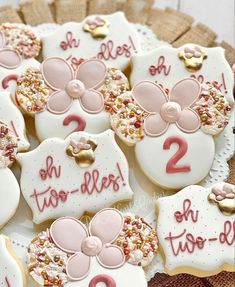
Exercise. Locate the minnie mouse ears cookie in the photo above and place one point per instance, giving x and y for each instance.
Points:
(70, 252)
(18, 47)
(166, 66)
(196, 230)
(69, 100)
(110, 38)
(74, 176)
(171, 127)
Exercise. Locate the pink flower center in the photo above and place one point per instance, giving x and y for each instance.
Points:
(170, 112)
(75, 89)
(91, 246)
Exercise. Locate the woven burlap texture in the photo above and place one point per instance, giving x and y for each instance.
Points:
(169, 25)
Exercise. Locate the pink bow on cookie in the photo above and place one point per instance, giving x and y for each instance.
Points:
(9, 58)
(81, 145)
(72, 236)
(164, 110)
(67, 85)
(95, 23)
(225, 191)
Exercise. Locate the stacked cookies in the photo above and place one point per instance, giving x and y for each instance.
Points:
(93, 83)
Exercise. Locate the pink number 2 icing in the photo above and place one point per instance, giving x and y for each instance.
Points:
(67, 85)
(171, 166)
(72, 236)
(102, 278)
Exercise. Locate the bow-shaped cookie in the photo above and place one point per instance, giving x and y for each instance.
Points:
(164, 110)
(68, 85)
(72, 236)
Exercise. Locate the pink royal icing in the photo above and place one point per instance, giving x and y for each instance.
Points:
(92, 183)
(72, 236)
(172, 166)
(160, 67)
(75, 118)
(163, 111)
(7, 79)
(7, 282)
(223, 192)
(102, 278)
(67, 85)
(9, 58)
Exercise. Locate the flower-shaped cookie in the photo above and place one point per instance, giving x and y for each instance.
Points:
(193, 58)
(68, 86)
(9, 58)
(97, 26)
(72, 236)
(163, 110)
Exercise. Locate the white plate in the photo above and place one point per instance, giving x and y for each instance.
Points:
(21, 229)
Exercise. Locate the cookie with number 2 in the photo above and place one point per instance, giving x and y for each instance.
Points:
(172, 129)
(63, 101)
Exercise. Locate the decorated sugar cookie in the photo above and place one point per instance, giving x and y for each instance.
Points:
(64, 101)
(196, 230)
(73, 176)
(14, 119)
(72, 254)
(11, 270)
(167, 65)
(172, 128)
(110, 38)
(9, 188)
(18, 48)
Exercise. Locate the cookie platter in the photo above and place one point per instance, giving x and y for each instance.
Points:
(21, 229)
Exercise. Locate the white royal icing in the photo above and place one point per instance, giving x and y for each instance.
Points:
(200, 218)
(10, 115)
(153, 158)
(64, 174)
(10, 272)
(127, 275)
(170, 69)
(51, 125)
(10, 195)
(81, 44)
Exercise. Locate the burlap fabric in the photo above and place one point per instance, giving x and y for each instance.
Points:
(169, 25)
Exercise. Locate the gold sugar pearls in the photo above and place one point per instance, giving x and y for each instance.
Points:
(213, 110)
(193, 57)
(21, 38)
(32, 93)
(47, 262)
(138, 240)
